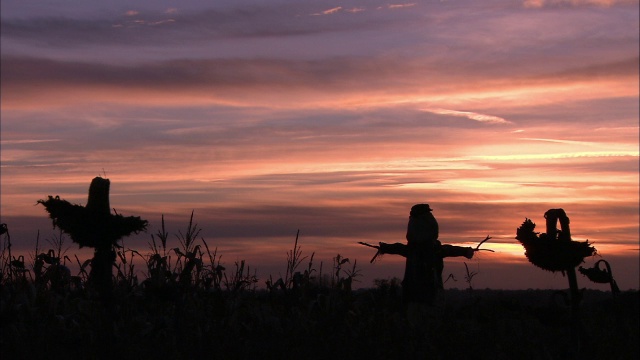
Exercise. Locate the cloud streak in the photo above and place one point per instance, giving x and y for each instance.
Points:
(536, 4)
(138, 27)
(28, 81)
(483, 118)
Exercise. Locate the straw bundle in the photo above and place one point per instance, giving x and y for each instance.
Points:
(93, 225)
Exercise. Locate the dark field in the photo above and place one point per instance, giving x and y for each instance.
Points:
(317, 323)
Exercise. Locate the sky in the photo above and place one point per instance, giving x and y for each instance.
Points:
(331, 118)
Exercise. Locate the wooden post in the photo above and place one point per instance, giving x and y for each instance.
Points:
(104, 256)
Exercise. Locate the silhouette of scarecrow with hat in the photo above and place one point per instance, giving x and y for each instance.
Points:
(424, 255)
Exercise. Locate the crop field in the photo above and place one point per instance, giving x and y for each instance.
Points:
(188, 306)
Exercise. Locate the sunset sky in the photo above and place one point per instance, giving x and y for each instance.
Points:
(333, 118)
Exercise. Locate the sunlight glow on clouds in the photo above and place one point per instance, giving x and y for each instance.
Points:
(268, 117)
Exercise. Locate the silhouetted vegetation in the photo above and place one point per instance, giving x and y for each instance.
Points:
(556, 251)
(188, 304)
(222, 315)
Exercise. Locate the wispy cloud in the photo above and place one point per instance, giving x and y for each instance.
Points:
(328, 11)
(201, 26)
(27, 141)
(401, 6)
(338, 9)
(483, 118)
(360, 81)
(562, 141)
(548, 3)
(552, 156)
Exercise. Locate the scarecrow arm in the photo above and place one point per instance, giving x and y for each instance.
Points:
(445, 250)
(453, 251)
(394, 249)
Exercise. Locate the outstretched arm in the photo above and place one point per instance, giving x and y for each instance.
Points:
(394, 249)
(444, 250)
(384, 248)
(453, 251)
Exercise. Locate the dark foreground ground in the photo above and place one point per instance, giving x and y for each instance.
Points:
(316, 324)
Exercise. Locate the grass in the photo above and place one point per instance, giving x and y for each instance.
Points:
(189, 305)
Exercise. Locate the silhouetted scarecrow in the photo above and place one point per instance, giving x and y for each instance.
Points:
(94, 226)
(424, 254)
